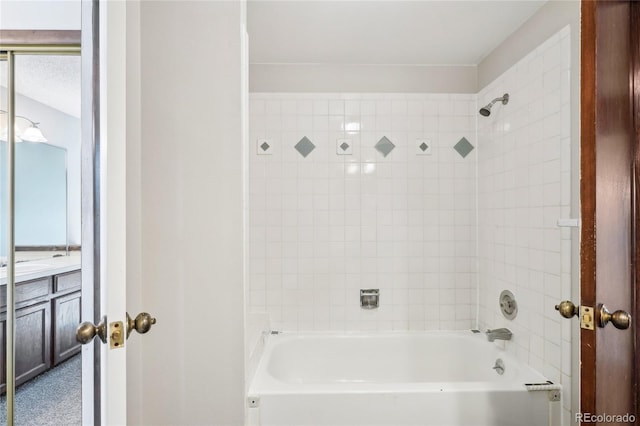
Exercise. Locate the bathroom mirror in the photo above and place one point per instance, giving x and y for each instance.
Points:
(41, 196)
(47, 168)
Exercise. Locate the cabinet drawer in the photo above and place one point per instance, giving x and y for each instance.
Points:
(27, 290)
(68, 281)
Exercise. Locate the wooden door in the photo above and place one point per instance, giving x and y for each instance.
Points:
(608, 251)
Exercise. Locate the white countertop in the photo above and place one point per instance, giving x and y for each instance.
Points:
(43, 267)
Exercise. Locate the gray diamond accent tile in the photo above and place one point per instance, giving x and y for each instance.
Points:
(384, 146)
(264, 146)
(304, 146)
(463, 147)
(344, 146)
(424, 146)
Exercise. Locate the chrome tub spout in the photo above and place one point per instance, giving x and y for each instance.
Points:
(499, 334)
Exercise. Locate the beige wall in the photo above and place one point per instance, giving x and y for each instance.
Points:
(135, 301)
(184, 224)
(336, 78)
(551, 17)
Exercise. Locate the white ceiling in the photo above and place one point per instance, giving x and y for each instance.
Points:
(51, 80)
(417, 32)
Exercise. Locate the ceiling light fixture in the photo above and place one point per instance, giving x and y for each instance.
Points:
(31, 133)
(4, 136)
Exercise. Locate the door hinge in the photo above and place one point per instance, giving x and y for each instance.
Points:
(587, 318)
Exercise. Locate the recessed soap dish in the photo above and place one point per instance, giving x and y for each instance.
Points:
(369, 298)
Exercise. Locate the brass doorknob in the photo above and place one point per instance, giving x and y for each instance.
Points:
(567, 309)
(87, 331)
(142, 323)
(620, 319)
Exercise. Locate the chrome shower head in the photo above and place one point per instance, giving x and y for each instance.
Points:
(486, 110)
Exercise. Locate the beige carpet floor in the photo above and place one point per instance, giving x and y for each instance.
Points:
(51, 399)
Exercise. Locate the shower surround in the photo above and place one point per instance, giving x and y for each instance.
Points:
(440, 235)
(524, 188)
(348, 216)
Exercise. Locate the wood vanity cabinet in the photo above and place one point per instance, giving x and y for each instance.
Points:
(66, 315)
(32, 342)
(47, 314)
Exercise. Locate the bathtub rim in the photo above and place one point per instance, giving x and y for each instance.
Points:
(264, 383)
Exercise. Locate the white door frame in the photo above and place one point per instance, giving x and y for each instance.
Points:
(113, 197)
(104, 192)
(90, 191)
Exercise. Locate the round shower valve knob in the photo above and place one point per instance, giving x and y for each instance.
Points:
(508, 304)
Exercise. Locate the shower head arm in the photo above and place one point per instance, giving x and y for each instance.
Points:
(504, 98)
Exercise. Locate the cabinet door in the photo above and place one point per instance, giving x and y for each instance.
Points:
(66, 317)
(33, 335)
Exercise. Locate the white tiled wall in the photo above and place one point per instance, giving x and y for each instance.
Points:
(440, 235)
(325, 226)
(523, 189)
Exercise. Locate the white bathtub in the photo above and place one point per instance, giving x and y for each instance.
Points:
(430, 378)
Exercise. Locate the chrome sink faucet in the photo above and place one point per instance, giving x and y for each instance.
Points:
(499, 334)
